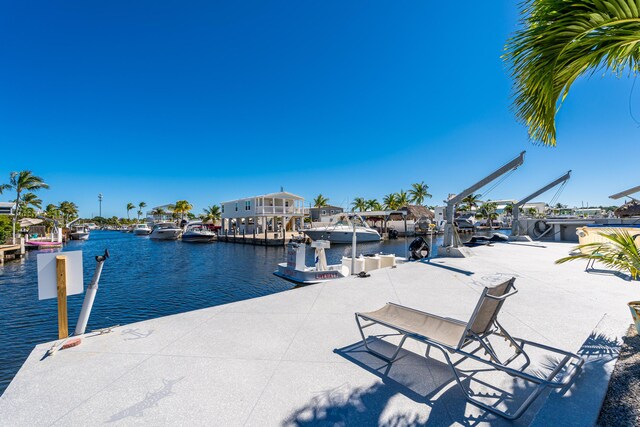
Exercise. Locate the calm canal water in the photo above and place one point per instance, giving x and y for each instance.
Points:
(142, 280)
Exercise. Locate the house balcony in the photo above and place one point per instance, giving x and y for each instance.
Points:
(279, 210)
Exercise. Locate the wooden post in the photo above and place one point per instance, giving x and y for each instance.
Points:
(61, 274)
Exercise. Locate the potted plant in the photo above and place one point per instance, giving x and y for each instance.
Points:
(619, 252)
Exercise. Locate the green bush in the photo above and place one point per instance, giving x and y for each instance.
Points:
(5, 228)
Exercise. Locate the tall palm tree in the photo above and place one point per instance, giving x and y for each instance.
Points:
(320, 201)
(182, 207)
(402, 198)
(158, 212)
(488, 211)
(141, 205)
(373, 205)
(419, 192)
(390, 201)
(359, 203)
(212, 213)
(51, 211)
(29, 200)
(560, 41)
(19, 182)
(471, 201)
(68, 211)
(130, 206)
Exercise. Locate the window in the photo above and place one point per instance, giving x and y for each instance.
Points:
(324, 212)
(247, 205)
(236, 206)
(331, 211)
(222, 208)
(286, 203)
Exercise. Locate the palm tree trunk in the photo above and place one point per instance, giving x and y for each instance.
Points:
(15, 217)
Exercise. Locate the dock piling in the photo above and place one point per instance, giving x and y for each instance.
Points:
(61, 274)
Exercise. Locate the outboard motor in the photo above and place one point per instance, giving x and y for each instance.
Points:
(392, 234)
(419, 249)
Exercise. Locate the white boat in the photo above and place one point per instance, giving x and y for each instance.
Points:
(165, 231)
(92, 226)
(296, 270)
(79, 232)
(141, 230)
(197, 233)
(340, 230)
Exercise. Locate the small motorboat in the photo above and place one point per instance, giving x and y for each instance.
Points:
(296, 270)
(141, 230)
(198, 233)
(165, 231)
(79, 232)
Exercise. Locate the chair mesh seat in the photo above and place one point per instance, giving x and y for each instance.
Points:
(445, 331)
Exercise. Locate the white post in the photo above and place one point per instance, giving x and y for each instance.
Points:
(353, 249)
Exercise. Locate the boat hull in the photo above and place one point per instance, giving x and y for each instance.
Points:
(142, 232)
(79, 236)
(198, 238)
(306, 277)
(165, 235)
(342, 236)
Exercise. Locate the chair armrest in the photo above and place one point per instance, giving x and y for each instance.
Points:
(503, 297)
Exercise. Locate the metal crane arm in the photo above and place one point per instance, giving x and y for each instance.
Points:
(547, 187)
(513, 164)
(625, 193)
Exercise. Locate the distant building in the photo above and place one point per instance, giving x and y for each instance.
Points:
(167, 214)
(260, 214)
(317, 214)
(7, 208)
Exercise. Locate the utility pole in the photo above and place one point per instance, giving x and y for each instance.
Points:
(100, 202)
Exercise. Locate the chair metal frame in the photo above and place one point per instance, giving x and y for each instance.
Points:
(571, 361)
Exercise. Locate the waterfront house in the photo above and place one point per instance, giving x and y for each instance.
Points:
(7, 208)
(261, 214)
(321, 214)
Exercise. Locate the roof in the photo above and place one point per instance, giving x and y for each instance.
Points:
(417, 211)
(278, 195)
(7, 204)
(327, 207)
(628, 209)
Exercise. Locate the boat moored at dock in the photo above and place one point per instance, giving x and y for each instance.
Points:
(141, 230)
(341, 229)
(296, 270)
(196, 232)
(79, 232)
(165, 231)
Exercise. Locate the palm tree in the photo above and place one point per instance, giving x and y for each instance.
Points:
(619, 252)
(182, 207)
(141, 205)
(390, 201)
(419, 192)
(508, 209)
(51, 211)
(320, 201)
(68, 211)
(359, 203)
(402, 198)
(212, 213)
(30, 200)
(532, 212)
(562, 41)
(23, 181)
(488, 211)
(471, 201)
(130, 206)
(158, 212)
(373, 205)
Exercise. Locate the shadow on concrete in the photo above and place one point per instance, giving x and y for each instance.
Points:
(151, 400)
(440, 264)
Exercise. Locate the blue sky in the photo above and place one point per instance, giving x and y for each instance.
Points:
(209, 101)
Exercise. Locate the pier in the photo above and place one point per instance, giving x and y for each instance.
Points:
(11, 251)
(267, 239)
(296, 357)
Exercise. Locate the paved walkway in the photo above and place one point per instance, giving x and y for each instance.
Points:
(294, 358)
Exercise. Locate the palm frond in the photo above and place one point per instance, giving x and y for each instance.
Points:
(561, 41)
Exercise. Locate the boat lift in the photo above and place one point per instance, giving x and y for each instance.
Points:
(626, 193)
(451, 247)
(515, 225)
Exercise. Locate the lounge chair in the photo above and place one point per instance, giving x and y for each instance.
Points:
(453, 336)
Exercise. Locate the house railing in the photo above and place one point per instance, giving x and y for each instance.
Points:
(279, 210)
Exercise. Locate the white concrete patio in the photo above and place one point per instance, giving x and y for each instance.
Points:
(294, 358)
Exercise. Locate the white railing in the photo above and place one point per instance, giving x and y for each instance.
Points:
(279, 210)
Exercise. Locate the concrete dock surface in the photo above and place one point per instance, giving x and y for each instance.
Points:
(295, 358)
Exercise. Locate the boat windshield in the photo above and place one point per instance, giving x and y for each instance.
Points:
(349, 220)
